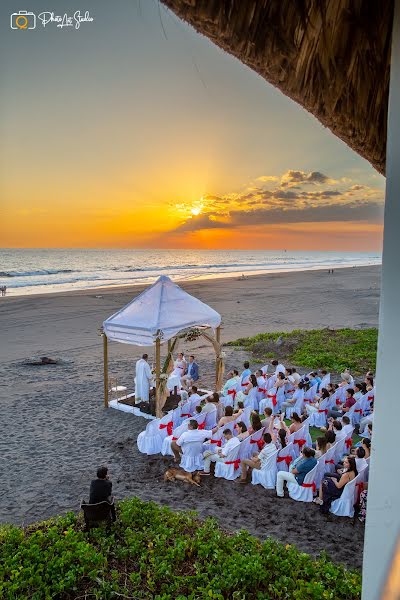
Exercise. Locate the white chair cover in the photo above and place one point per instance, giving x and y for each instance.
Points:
(249, 445)
(304, 492)
(340, 450)
(298, 405)
(326, 463)
(354, 413)
(318, 418)
(344, 506)
(230, 468)
(151, 439)
(192, 457)
(251, 400)
(287, 451)
(267, 475)
(300, 438)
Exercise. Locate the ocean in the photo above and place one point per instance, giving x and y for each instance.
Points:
(27, 271)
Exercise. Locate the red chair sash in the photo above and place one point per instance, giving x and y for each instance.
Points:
(360, 488)
(232, 393)
(358, 410)
(349, 443)
(235, 463)
(188, 415)
(202, 425)
(167, 426)
(330, 462)
(310, 485)
(174, 439)
(273, 396)
(262, 390)
(370, 398)
(287, 459)
(323, 410)
(260, 443)
(300, 442)
(218, 442)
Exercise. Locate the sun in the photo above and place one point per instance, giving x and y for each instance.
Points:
(196, 210)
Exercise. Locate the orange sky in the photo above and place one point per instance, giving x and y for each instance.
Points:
(117, 135)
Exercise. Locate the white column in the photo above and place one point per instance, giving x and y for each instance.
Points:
(383, 506)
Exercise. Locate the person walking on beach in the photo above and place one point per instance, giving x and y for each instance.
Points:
(100, 490)
(142, 379)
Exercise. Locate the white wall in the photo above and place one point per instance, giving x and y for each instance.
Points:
(383, 506)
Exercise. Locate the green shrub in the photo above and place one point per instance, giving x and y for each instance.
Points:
(318, 348)
(154, 553)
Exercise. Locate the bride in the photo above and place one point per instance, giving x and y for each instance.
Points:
(180, 365)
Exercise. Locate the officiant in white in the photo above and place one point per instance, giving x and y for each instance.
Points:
(143, 379)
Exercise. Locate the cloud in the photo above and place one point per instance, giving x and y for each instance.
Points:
(316, 177)
(201, 222)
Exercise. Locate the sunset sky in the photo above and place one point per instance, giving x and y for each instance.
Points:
(134, 131)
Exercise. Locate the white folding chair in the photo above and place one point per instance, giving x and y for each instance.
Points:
(304, 492)
(326, 463)
(344, 506)
(230, 467)
(285, 456)
(266, 476)
(192, 457)
(150, 440)
(319, 417)
(249, 445)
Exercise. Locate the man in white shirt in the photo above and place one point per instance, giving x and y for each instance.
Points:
(231, 442)
(347, 427)
(193, 434)
(258, 461)
(279, 368)
(142, 379)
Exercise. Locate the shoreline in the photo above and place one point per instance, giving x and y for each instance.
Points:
(197, 280)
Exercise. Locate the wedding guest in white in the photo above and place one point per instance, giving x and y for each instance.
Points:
(232, 382)
(143, 379)
(231, 442)
(180, 365)
(193, 434)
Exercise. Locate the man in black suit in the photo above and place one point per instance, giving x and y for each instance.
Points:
(100, 490)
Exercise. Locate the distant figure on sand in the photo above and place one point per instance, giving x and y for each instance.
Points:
(142, 379)
(3, 290)
(101, 488)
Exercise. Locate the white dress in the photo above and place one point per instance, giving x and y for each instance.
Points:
(179, 368)
(142, 380)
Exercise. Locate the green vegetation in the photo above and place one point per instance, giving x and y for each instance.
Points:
(318, 348)
(154, 553)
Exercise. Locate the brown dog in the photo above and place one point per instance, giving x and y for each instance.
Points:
(173, 474)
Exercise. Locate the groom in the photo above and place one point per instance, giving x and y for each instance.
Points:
(192, 373)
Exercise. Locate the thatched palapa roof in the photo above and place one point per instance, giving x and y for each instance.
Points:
(330, 56)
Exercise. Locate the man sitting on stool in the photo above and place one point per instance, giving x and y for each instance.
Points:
(100, 490)
(192, 373)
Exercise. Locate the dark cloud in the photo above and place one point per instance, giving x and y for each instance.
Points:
(201, 222)
(292, 176)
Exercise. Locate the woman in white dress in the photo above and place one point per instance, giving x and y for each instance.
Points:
(180, 366)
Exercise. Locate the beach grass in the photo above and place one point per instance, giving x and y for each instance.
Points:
(334, 350)
(155, 553)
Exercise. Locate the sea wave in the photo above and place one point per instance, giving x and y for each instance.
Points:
(35, 273)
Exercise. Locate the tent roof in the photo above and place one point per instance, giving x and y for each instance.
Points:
(164, 309)
(331, 56)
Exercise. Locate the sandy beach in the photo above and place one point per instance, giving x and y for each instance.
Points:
(56, 430)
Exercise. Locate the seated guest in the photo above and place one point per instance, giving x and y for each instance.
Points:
(192, 372)
(193, 434)
(366, 446)
(258, 460)
(337, 428)
(321, 446)
(295, 376)
(360, 459)
(296, 423)
(245, 375)
(365, 421)
(211, 403)
(298, 396)
(255, 421)
(232, 382)
(241, 429)
(231, 442)
(347, 427)
(346, 406)
(313, 404)
(330, 437)
(298, 472)
(332, 486)
(229, 416)
(315, 379)
(268, 417)
(100, 490)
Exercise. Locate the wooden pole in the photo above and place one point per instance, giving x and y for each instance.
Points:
(105, 362)
(218, 338)
(158, 369)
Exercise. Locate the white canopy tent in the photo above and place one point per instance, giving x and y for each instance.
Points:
(155, 317)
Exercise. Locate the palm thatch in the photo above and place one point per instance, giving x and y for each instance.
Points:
(330, 56)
